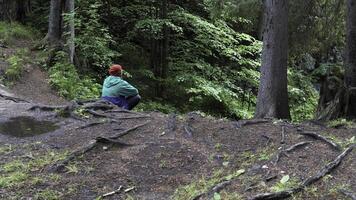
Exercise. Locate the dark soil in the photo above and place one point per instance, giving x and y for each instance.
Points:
(172, 157)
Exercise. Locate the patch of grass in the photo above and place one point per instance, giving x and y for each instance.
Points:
(16, 65)
(341, 123)
(230, 195)
(18, 172)
(285, 183)
(5, 149)
(16, 165)
(13, 179)
(10, 32)
(72, 169)
(203, 185)
(48, 195)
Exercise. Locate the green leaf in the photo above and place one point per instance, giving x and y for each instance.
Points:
(217, 196)
(284, 179)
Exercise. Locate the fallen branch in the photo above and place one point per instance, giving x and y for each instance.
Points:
(112, 193)
(14, 99)
(322, 138)
(325, 170)
(348, 194)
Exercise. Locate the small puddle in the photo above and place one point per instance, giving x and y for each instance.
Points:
(26, 127)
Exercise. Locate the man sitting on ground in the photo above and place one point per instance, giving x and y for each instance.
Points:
(118, 91)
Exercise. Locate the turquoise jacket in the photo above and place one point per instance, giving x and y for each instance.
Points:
(115, 86)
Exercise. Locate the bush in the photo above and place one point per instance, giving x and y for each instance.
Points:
(156, 106)
(65, 78)
(16, 65)
(11, 32)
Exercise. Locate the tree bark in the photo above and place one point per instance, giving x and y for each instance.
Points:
(54, 23)
(70, 29)
(21, 11)
(272, 100)
(350, 70)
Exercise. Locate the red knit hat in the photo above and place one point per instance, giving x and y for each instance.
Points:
(115, 70)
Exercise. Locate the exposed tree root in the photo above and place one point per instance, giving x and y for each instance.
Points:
(288, 150)
(14, 99)
(121, 110)
(134, 117)
(348, 194)
(325, 170)
(240, 124)
(99, 105)
(172, 123)
(120, 134)
(47, 108)
(96, 123)
(283, 135)
(96, 114)
(60, 166)
(328, 168)
(322, 138)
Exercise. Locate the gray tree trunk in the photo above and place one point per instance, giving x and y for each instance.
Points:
(70, 29)
(272, 99)
(350, 70)
(54, 25)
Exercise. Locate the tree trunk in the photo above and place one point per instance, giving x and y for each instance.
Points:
(350, 70)
(54, 25)
(70, 29)
(272, 100)
(21, 11)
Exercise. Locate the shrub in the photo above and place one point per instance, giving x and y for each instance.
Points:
(11, 32)
(65, 78)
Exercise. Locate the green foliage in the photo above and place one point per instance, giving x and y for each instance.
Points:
(65, 78)
(156, 106)
(303, 97)
(341, 123)
(285, 183)
(16, 65)
(48, 194)
(217, 66)
(12, 32)
(204, 184)
(93, 39)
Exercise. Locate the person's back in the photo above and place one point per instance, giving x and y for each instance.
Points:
(118, 91)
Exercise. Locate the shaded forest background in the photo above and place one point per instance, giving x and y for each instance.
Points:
(184, 55)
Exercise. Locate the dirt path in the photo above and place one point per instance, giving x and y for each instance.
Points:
(33, 85)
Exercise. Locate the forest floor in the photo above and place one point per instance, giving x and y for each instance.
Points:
(92, 150)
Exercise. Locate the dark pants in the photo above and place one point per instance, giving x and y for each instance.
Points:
(127, 103)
